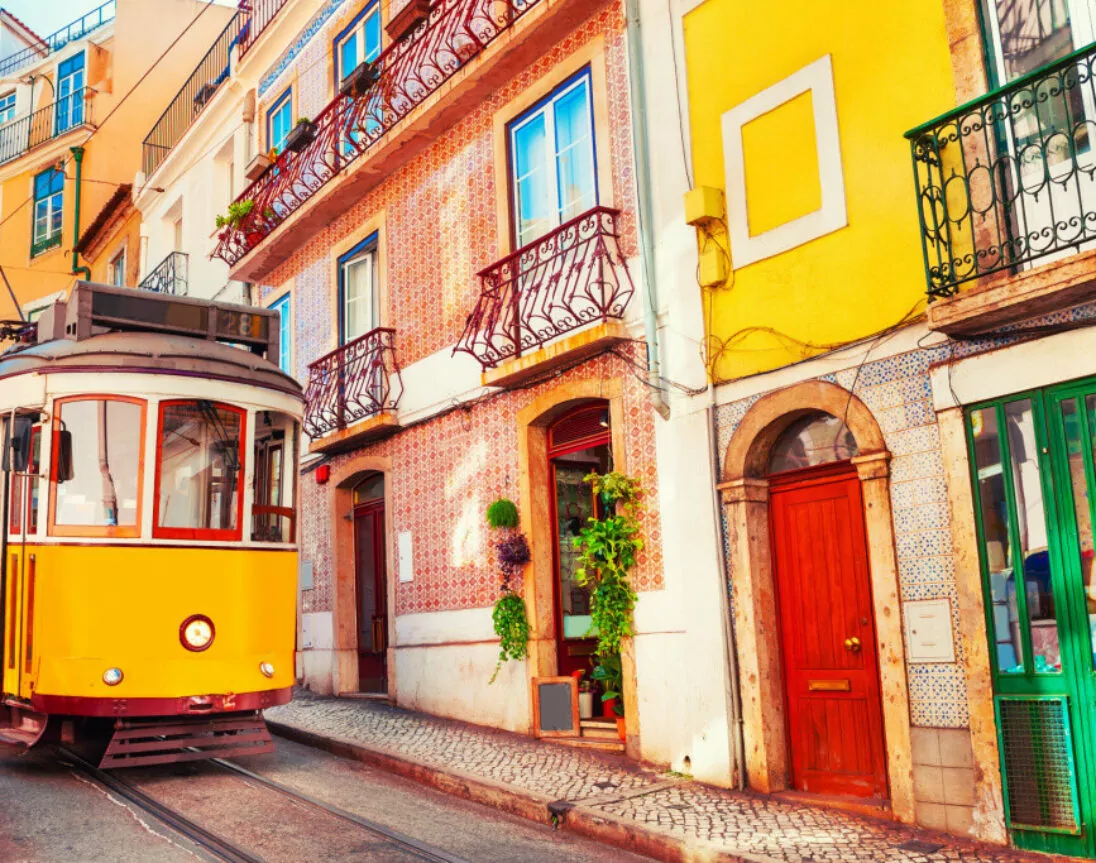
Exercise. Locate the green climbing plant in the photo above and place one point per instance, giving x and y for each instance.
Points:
(607, 553)
(512, 628)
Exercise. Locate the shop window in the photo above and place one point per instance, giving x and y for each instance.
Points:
(552, 161)
(274, 512)
(96, 474)
(199, 466)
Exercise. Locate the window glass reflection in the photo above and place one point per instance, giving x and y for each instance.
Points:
(274, 511)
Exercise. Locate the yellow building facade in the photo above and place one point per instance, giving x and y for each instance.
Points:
(73, 124)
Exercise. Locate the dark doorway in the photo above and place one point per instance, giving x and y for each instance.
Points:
(372, 585)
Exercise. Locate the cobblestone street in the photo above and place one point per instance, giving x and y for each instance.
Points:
(745, 826)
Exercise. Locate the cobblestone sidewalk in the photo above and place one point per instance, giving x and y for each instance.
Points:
(751, 826)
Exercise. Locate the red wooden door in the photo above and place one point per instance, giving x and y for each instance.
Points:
(834, 713)
(372, 598)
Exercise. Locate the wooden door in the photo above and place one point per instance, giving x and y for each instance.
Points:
(372, 598)
(834, 713)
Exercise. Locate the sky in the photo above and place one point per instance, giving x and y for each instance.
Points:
(47, 16)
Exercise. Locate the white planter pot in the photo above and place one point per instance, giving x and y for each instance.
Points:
(586, 705)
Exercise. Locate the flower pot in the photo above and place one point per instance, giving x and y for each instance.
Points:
(358, 82)
(407, 18)
(586, 705)
(608, 708)
(258, 166)
(621, 731)
(300, 136)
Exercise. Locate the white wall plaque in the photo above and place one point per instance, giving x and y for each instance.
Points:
(929, 636)
(406, 562)
(305, 573)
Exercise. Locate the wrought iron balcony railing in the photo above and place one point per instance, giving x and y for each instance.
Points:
(259, 15)
(212, 71)
(77, 29)
(405, 74)
(569, 278)
(352, 383)
(169, 277)
(50, 241)
(23, 135)
(1010, 177)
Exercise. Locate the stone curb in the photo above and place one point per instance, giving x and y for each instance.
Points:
(580, 819)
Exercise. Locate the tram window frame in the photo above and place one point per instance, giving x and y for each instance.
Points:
(212, 534)
(282, 446)
(127, 531)
(18, 517)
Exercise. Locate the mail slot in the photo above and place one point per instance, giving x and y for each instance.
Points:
(828, 686)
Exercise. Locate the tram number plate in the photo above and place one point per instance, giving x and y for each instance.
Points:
(242, 325)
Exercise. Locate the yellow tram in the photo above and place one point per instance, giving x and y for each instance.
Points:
(149, 566)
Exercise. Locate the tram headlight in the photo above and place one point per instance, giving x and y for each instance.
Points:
(197, 632)
(112, 676)
(267, 669)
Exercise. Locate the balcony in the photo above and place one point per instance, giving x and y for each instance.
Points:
(1006, 188)
(78, 29)
(422, 83)
(573, 279)
(42, 126)
(353, 392)
(259, 14)
(169, 277)
(212, 71)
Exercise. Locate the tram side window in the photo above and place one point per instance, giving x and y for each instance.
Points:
(274, 512)
(103, 495)
(198, 470)
(23, 507)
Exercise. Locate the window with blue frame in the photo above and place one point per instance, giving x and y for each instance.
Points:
(285, 359)
(49, 199)
(7, 108)
(553, 173)
(279, 121)
(358, 42)
(359, 291)
(70, 93)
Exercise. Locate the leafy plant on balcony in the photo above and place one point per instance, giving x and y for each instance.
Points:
(607, 553)
(237, 212)
(509, 616)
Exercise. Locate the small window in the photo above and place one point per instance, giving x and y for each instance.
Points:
(369, 489)
(23, 507)
(552, 161)
(199, 465)
(49, 200)
(285, 358)
(812, 440)
(359, 42)
(116, 269)
(359, 291)
(279, 121)
(7, 108)
(274, 513)
(103, 495)
(70, 93)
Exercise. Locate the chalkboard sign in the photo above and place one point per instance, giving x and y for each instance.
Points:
(555, 707)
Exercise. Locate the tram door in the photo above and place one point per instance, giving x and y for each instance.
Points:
(19, 606)
(372, 585)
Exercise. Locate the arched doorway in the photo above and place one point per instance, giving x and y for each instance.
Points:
(371, 581)
(579, 443)
(825, 617)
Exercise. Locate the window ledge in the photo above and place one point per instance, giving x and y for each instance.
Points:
(568, 349)
(377, 426)
(997, 301)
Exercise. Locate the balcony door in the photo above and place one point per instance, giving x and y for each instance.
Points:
(359, 291)
(70, 93)
(1048, 151)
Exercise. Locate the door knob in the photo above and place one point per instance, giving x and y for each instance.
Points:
(852, 644)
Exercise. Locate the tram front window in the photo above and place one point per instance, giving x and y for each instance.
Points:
(103, 495)
(198, 470)
(274, 512)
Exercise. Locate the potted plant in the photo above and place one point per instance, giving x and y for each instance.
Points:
(358, 82)
(301, 135)
(609, 673)
(237, 212)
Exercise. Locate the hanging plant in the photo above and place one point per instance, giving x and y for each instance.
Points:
(512, 628)
(607, 553)
(502, 513)
(513, 554)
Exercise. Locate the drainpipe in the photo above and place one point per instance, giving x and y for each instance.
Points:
(641, 146)
(78, 155)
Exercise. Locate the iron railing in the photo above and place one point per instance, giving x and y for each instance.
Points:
(212, 71)
(22, 135)
(1010, 177)
(259, 14)
(77, 29)
(50, 241)
(169, 277)
(569, 278)
(407, 72)
(352, 383)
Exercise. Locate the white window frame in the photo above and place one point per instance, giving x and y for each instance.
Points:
(7, 107)
(369, 255)
(285, 331)
(54, 202)
(373, 11)
(112, 268)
